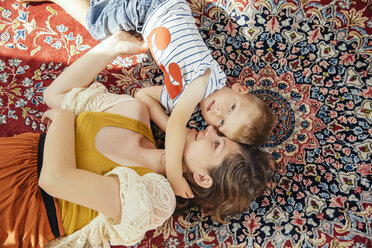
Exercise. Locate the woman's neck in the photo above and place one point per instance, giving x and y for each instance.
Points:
(152, 159)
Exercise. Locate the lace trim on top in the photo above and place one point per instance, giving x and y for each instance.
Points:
(147, 202)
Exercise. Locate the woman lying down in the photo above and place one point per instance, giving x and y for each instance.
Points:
(96, 178)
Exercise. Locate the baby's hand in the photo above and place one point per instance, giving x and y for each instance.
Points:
(181, 188)
(129, 44)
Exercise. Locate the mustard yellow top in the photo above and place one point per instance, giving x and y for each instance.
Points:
(74, 216)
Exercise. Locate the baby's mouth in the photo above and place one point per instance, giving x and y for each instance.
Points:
(210, 105)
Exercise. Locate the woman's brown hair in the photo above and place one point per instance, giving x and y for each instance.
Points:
(236, 182)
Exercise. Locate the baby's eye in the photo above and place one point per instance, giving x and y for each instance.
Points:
(232, 107)
(216, 144)
(220, 124)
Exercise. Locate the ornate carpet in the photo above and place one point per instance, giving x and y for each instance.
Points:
(310, 60)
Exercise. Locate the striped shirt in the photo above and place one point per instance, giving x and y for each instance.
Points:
(180, 52)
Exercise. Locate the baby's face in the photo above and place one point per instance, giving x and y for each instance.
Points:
(228, 109)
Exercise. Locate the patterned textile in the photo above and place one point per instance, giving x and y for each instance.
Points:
(310, 60)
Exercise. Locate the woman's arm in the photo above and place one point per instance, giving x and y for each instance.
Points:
(83, 71)
(59, 176)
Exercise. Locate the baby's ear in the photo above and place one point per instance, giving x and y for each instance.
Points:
(239, 88)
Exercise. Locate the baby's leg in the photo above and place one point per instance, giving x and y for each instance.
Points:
(76, 8)
(120, 19)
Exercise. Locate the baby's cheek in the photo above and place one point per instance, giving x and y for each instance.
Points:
(213, 121)
(207, 118)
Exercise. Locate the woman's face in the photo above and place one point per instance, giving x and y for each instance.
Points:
(206, 149)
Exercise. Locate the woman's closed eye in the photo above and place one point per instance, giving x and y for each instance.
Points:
(220, 124)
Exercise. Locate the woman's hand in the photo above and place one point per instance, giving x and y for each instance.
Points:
(126, 43)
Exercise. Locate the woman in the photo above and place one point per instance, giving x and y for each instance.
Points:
(97, 170)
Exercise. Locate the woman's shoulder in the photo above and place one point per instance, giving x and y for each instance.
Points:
(135, 109)
(147, 201)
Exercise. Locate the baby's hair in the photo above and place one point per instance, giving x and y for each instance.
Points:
(240, 178)
(259, 127)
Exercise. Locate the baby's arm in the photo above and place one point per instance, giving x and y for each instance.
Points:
(151, 96)
(176, 132)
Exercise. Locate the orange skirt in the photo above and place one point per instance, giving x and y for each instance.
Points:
(23, 216)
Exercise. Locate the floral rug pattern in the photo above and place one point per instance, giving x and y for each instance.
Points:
(309, 60)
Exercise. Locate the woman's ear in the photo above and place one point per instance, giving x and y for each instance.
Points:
(203, 180)
(239, 88)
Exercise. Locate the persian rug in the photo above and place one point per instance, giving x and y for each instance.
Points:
(310, 60)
